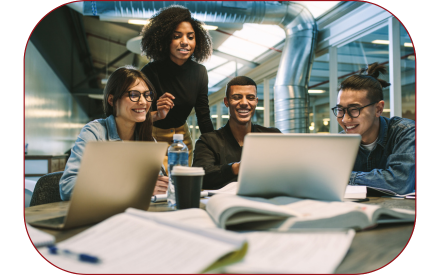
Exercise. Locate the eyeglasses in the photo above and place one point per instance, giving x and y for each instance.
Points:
(353, 112)
(135, 96)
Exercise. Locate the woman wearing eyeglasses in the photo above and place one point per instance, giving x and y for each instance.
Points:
(177, 42)
(127, 101)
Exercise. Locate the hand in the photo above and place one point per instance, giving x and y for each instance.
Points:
(164, 105)
(161, 185)
(235, 168)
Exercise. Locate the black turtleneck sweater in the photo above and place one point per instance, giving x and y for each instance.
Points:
(189, 84)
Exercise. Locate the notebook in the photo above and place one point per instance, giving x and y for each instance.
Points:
(312, 166)
(112, 177)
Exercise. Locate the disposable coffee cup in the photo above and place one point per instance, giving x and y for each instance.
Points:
(187, 185)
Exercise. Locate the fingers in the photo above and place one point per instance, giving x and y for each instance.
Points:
(165, 103)
(158, 190)
(161, 185)
(163, 178)
(167, 95)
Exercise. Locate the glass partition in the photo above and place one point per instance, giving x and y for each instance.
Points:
(258, 117)
(355, 56)
(408, 73)
(319, 119)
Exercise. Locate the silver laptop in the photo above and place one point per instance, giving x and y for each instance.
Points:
(313, 166)
(112, 177)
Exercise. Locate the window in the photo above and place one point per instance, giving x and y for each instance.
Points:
(368, 49)
(319, 120)
(408, 80)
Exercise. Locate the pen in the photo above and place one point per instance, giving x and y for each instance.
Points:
(65, 252)
(163, 171)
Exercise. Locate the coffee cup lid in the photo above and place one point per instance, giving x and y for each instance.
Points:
(187, 171)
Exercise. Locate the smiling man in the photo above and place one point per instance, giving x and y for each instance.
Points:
(386, 157)
(219, 152)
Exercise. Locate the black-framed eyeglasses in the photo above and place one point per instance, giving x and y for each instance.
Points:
(353, 112)
(135, 96)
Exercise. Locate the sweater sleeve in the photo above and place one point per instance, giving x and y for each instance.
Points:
(216, 175)
(202, 105)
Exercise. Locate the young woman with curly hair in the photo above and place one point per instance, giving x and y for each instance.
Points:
(176, 43)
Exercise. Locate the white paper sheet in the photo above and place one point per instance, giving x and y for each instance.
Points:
(294, 252)
(128, 244)
(38, 237)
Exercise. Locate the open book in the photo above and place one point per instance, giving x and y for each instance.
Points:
(351, 192)
(411, 195)
(316, 251)
(285, 213)
(142, 242)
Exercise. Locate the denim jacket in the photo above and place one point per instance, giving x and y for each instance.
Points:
(97, 130)
(391, 164)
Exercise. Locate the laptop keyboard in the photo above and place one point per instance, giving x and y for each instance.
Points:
(53, 221)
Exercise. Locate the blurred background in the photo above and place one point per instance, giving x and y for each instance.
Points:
(74, 49)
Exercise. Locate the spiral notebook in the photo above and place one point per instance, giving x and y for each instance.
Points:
(38, 237)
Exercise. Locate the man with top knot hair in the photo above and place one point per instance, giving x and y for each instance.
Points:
(386, 157)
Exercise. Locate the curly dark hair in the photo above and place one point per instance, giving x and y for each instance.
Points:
(156, 35)
(368, 80)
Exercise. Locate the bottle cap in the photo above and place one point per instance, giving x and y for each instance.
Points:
(187, 171)
(178, 137)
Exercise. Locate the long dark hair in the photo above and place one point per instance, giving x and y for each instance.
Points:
(367, 80)
(156, 35)
(118, 83)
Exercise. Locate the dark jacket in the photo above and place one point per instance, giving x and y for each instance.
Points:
(216, 152)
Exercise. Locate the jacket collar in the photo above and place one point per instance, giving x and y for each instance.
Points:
(383, 131)
(111, 128)
(228, 127)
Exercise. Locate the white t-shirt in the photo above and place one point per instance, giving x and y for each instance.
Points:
(370, 146)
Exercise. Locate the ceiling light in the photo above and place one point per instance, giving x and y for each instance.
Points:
(259, 108)
(138, 22)
(383, 42)
(214, 116)
(104, 81)
(210, 27)
(386, 110)
(316, 91)
(410, 45)
(94, 96)
(225, 116)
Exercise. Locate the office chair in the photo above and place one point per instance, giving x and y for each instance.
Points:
(47, 189)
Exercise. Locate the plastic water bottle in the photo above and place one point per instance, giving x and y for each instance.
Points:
(177, 155)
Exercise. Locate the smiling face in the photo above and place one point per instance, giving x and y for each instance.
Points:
(242, 101)
(183, 43)
(128, 112)
(367, 123)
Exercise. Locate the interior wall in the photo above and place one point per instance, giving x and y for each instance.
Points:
(53, 117)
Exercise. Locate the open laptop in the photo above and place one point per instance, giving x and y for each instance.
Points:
(112, 177)
(314, 166)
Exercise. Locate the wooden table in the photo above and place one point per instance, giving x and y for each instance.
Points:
(371, 249)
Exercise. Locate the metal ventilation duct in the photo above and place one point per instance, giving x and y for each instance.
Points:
(291, 96)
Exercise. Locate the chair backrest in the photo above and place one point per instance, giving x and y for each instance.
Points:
(47, 189)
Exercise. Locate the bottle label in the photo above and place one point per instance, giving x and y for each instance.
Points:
(178, 158)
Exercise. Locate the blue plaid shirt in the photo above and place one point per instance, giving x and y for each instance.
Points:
(391, 164)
